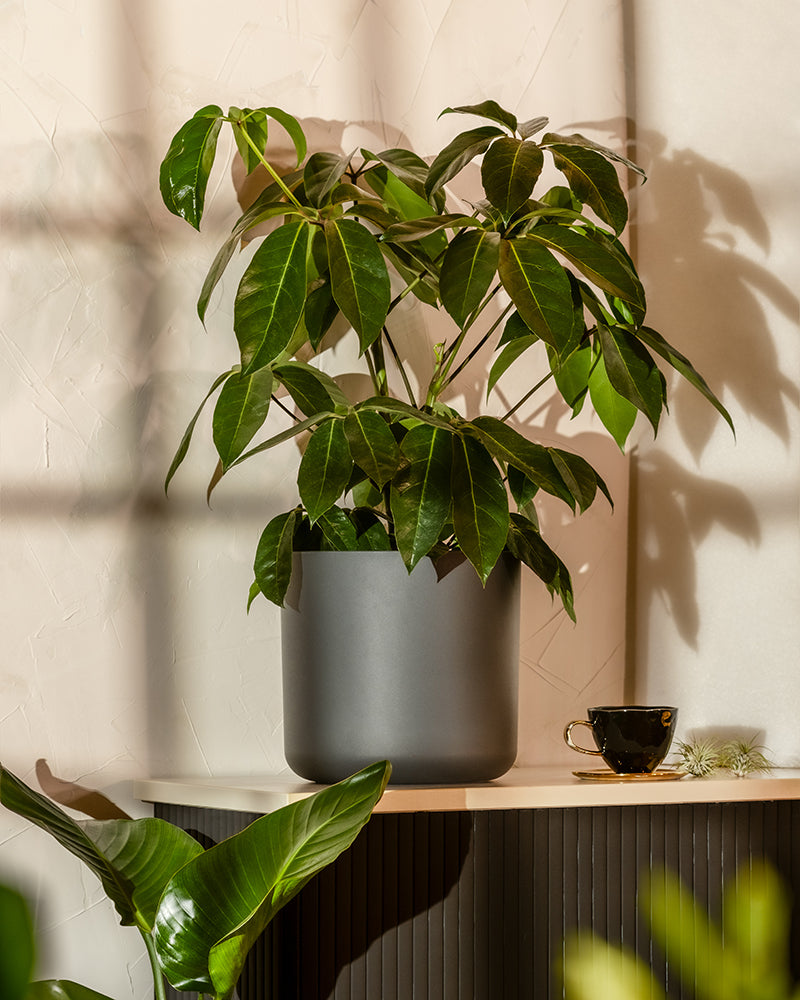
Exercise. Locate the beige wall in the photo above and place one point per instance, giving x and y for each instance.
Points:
(127, 650)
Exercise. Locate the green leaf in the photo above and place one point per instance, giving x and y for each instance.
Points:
(405, 165)
(372, 445)
(526, 544)
(468, 269)
(338, 531)
(184, 172)
(253, 124)
(134, 859)
(324, 469)
(593, 180)
(538, 286)
(319, 313)
(523, 490)
(421, 494)
(515, 327)
(415, 229)
(61, 989)
(273, 562)
(654, 340)
(509, 171)
(632, 371)
(572, 376)
(616, 413)
(359, 278)
(298, 428)
(293, 129)
(271, 295)
(16, 944)
(581, 479)
(186, 440)
(371, 530)
(593, 260)
(512, 448)
(312, 390)
(387, 404)
(457, 154)
(576, 139)
(486, 109)
(508, 355)
(533, 125)
(480, 505)
(241, 410)
(756, 924)
(321, 175)
(215, 908)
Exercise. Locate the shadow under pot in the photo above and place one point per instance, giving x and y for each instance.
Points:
(421, 670)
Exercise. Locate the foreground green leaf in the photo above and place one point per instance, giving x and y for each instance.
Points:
(372, 445)
(359, 279)
(61, 989)
(420, 495)
(324, 468)
(486, 109)
(632, 371)
(458, 153)
(480, 505)
(615, 412)
(312, 390)
(526, 544)
(468, 269)
(594, 181)
(16, 944)
(509, 171)
(241, 409)
(214, 909)
(273, 562)
(186, 440)
(539, 288)
(186, 167)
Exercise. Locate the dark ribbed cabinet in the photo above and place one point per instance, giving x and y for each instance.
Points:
(475, 903)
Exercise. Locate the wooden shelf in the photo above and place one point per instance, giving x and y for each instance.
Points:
(522, 788)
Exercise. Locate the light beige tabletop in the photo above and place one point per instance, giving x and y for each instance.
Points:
(521, 788)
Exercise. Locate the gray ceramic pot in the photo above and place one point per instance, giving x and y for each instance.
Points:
(382, 664)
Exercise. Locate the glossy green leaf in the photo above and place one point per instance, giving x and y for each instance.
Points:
(273, 562)
(523, 490)
(526, 544)
(359, 278)
(372, 445)
(533, 125)
(312, 390)
(486, 109)
(134, 859)
(420, 494)
(214, 909)
(572, 376)
(581, 479)
(321, 175)
(514, 328)
(372, 535)
(293, 129)
(405, 165)
(338, 531)
(656, 342)
(241, 410)
(252, 125)
(468, 268)
(632, 371)
(271, 295)
(184, 172)
(576, 139)
(406, 203)
(416, 229)
(539, 288)
(509, 171)
(594, 261)
(594, 181)
(512, 448)
(458, 153)
(324, 468)
(507, 356)
(297, 428)
(61, 989)
(616, 413)
(480, 505)
(424, 284)
(17, 950)
(319, 313)
(387, 404)
(186, 440)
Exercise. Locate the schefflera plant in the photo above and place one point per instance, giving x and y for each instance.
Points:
(543, 277)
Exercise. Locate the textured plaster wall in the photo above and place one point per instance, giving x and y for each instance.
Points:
(126, 647)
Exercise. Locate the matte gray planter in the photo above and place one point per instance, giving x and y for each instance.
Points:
(382, 664)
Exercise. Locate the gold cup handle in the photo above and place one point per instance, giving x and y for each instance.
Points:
(574, 746)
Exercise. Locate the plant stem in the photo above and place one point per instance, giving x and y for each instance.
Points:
(377, 383)
(158, 976)
(479, 345)
(527, 396)
(285, 409)
(275, 176)
(400, 367)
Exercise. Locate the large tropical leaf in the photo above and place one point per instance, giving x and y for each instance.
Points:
(593, 260)
(184, 172)
(594, 181)
(271, 294)
(241, 409)
(458, 153)
(405, 165)
(16, 944)
(321, 175)
(486, 109)
(186, 440)
(372, 445)
(615, 412)
(632, 371)
(576, 139)
(61, 989)
(338, 531)
(480, 505)
(581, 479)
(656, 342)
(527, 545)
(312, 390)
(421, 493)
(134, 859)
(468, 268)
(324, 468)
(359, 278)
(273, 562)
(538, 286)
(291, 432)
(216, 907)
(509, 171)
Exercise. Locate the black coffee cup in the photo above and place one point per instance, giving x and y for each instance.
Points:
(632, 739)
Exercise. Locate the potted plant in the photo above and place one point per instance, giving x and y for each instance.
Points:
(198, 911)
(398, 478)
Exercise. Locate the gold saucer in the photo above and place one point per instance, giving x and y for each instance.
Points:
(605, 774)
